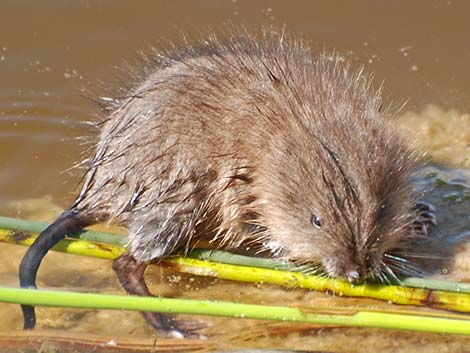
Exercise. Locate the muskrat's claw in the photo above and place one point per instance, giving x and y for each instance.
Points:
(170, 327)
(190, 325)
(419, 228)
(189, 328)
(424, 206)
(425, 218)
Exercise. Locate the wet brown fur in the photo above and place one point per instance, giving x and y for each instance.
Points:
(241, 141)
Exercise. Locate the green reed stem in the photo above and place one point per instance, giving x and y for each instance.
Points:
(234, 310)
(21, 225)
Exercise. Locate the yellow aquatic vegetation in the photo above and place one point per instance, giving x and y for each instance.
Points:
(443, 135)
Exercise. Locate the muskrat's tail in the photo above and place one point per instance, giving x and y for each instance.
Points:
(68, 223)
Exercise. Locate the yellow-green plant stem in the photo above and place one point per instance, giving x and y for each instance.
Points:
(20, 226)
(235, 310)
(459, 302)
(394, 294)
(227, 258)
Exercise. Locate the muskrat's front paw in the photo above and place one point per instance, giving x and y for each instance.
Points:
(425, 218)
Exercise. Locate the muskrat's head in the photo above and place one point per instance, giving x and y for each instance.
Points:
(341, 203)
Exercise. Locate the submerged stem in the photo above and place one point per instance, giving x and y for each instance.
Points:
(236, 310)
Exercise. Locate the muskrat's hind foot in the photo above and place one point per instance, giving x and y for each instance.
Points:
(425, 218)
(130, 273)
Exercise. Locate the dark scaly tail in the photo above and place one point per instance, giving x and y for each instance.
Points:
(68, 223)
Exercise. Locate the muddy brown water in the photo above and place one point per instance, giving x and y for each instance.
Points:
(53, 54)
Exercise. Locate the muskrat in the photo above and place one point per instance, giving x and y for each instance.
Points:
(252, 140)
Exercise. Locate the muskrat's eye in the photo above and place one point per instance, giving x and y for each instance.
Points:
(316, 221)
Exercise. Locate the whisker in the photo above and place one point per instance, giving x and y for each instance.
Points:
(403, 263)
(381, 277)
(406, 270)
(396, 258)
(390, 272)
(418, 255)
(308, 269)
(374, 278)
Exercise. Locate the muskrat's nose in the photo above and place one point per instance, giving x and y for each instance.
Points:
(353, 277)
